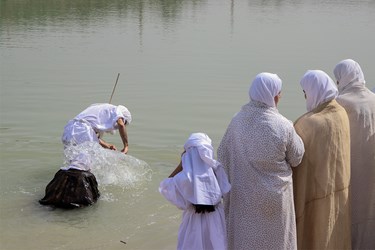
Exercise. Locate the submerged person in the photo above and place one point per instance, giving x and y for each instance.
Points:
(359, 103)
(197, 186)
(73, 186)
(91, 123)
(321, 181)
(258, 150)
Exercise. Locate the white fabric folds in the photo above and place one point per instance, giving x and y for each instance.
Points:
(125, 112)
(204, 178)
(80, 162)
(265, 87)
(319, 88)
(97, 118)
(348, 72)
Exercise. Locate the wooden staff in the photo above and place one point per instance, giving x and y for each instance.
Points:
(113, 91)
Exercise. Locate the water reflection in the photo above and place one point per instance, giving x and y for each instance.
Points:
(17, 17)
(24, 13)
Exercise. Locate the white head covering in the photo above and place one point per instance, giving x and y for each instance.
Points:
(265, 87)
(348, 72)
(319, 88)
(203, 179)
(125, 112)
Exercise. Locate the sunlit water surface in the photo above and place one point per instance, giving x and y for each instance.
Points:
(185, 66)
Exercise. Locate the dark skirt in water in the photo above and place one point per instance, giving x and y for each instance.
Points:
(71, 188)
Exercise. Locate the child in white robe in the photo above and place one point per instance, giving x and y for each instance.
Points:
(197, 186)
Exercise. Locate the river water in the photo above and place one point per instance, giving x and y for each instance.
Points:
(185, 66)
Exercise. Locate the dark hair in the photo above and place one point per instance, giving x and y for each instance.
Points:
(201, 209)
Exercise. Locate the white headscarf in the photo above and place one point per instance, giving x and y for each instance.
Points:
(319, 88)
(348, 72)
(203, 179)
(125, 112)
(265, 87)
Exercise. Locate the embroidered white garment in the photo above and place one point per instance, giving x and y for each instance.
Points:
(359, 103)
(319, 88)
(348, 72)
(197, 184)
(265, 87)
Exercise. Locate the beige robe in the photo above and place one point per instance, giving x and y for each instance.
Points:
(359, 103)
(321, 181)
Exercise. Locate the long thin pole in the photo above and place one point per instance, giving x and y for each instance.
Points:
(113, 91)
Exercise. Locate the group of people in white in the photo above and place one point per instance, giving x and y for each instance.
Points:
(275, 184)
(303, 185)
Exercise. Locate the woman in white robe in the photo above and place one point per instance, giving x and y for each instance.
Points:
(197, 186)
(258, 150)
(359, 103)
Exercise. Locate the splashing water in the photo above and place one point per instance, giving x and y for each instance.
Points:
(111, 167)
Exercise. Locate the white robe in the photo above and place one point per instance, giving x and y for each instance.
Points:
(359, 103)
(197, 231)
(95, 119)
(257, 151)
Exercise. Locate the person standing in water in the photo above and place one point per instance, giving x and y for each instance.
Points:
(91, 123)
(75, 185)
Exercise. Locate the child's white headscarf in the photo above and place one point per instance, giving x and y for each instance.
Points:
(348, 72)
(204, 179)
(319, 88)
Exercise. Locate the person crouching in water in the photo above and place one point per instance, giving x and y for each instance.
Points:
(73, 186)
(197, 186)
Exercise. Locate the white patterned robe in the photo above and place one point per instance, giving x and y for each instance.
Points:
(257, 151)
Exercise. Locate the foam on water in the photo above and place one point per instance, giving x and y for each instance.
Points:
(112, 167)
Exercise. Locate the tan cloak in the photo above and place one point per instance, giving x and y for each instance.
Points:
(321, 181)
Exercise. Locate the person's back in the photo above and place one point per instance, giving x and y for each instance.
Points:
(260, 133)
(321, 182)
(258, 150)
(359, 103)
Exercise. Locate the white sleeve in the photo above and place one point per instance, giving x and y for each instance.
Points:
(170, 191)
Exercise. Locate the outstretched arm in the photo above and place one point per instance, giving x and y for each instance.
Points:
(123, 134)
